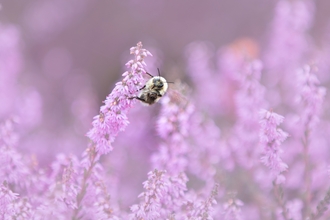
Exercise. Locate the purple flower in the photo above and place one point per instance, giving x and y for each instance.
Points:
(248, 99)
(205, 154)
(288, 41)
(232, 209)
(294, 209)
(199, 59)
(10, 66)
(271, 139)
(113, 114)
(311, 96)
(8, 137)
(14, 167)
(163, 196)
(203, 209)
(172, 127)
(7, 200)
(156, 189)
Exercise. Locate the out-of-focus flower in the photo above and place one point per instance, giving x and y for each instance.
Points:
(204, 209)
(172, 127)
(311, 96)
(7, 199)
(232, 209)
(10, 66)
(288, 41)
(156, 189)
(248, 99)
(271, 138)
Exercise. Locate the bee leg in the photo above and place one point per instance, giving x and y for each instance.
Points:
(138, 98)
(143, 87)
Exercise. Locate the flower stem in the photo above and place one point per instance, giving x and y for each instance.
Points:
(278, 192)
(307, 174)
(87, 173)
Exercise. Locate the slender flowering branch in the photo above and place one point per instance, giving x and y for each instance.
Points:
(113, 114)
(322, 206)
(249, 99)
(112, 119)
(156, 188)
(203, 209)
(172, 127)
(311, 96)
(7, 199)
(205, 153)
(288, 42)
(69, 186)
(279, 196)
(90, 158)
(232, 209)
(271, 138)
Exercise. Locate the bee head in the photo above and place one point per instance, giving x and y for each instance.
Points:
(158, 82)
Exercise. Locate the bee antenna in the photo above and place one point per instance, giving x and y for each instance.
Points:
(149, 74)
(169, 82)
(158, 71)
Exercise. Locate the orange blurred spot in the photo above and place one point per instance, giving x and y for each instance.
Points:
(244, 47)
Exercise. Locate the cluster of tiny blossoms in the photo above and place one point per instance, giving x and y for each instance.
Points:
(113, 114)
(248, 141)
(272, 137)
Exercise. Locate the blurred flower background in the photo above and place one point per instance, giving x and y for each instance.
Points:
(241, 134)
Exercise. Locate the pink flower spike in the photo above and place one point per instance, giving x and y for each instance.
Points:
(271, 138)
(232, 209)
(113, 114)
(7, 198)
(156, 188)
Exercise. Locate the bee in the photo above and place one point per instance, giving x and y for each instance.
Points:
(153, 90)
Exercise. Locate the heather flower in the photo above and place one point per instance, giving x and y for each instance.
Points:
(288, 47)
(271, 138)
(69, 185)
(311, 96)
(248, 99)
(206, 151)
(294, 210)
(8, 137)
(10, 65)
(156, 189)
(7, 200)
(163, 196)
(172, 127)
(113, 114)
(103, 205)
(232, 209)
(199, 58)
(203, 210)
(92, 198)
(13, 166)
(59, 195)
(322, 206)
(288, 41)
(24, 209)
